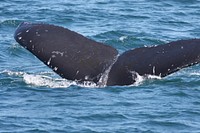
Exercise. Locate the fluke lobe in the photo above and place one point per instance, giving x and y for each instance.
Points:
(75, 57)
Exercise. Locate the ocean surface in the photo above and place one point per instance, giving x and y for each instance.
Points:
(33, 99)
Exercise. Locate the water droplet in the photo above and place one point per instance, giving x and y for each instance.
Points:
(49, 61)
(55, 68)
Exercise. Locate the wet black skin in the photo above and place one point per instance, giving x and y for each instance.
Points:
(69, 54)
(160, 60)
(75, 57)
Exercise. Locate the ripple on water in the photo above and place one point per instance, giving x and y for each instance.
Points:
(35, 100)
(10, 23)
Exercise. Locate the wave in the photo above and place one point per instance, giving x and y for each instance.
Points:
(195, 74)
(10, 23)
(127, 40)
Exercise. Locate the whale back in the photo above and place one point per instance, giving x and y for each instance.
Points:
(68, 53)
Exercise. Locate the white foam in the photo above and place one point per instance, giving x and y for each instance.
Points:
(140, 79)
(122, 38)
(11, 73)
(88, 84)
(195, 74)
(42, 80)
(47, 80)
(153, 77)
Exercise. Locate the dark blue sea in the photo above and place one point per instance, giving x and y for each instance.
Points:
(33, 99)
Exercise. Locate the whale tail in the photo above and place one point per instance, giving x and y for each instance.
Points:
(75, 57)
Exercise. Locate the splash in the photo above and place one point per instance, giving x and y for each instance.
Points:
(141, 79)
(11, 73)
(122, 38)
(195, 74)
(104, 76)
(46, 80)
(41, 80)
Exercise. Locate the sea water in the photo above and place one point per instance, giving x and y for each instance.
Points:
(33, 99)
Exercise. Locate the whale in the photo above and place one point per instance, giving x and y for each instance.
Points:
(75, 57)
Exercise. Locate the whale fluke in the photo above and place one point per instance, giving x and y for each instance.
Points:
(75, 57)
(160, 60)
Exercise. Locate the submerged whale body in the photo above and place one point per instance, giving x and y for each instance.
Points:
(75, 57)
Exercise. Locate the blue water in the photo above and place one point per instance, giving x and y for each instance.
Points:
(35, 100)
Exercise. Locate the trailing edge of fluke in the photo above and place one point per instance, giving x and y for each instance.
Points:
(75, 57)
